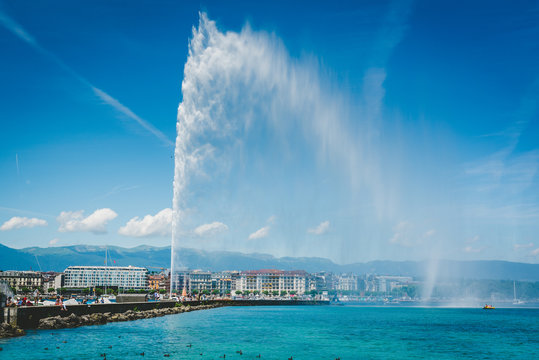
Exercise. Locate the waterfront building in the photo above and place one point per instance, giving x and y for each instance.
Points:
(200, 281)
(272, 280)
(347, 282)
(156, 282)
(123, 277)
(52, 280)
(180, 281)
(224, 281)
(22, 279)
(385, 284)
(323, 281)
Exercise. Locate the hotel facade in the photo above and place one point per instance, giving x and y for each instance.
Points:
(123, 277)
(272, 280)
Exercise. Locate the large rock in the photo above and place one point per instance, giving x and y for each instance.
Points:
(8, 330)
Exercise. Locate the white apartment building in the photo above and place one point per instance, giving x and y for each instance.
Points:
(347, 282)
(124, 277)
(272, 280)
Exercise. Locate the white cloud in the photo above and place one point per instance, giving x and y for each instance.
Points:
(470, 250)
(535, 252)
(522, 246)
(210, 229)
(74, 221)
(150, 225)
(22, 222)
(260, 233)
(54, 241)
(402, 234)
(322, 228)
(429, 233)
(272, 219)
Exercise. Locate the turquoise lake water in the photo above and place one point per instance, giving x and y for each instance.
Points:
(300, 332)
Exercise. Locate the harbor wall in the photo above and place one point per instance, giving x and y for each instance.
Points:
(27, 317)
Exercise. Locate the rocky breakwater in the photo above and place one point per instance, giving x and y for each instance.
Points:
(72, 320)
(8, 330)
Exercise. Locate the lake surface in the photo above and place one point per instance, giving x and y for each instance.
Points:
(301, 332)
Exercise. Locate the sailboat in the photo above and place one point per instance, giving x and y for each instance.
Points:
(515, 300)
(106, 298)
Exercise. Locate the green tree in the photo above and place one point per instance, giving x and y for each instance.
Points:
(283, 292)
(256, 292)
(238, 292)
(215, 292)
(265, 292)
(50, 290)
(292, 292)
(275, 292)
(194, 292)
(61, 290)
(246, 292)
(162, 291)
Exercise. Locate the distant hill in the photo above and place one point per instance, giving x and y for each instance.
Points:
(58, 258)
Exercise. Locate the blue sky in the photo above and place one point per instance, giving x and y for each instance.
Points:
(357, 131)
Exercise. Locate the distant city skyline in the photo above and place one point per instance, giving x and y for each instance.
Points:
(410, 131)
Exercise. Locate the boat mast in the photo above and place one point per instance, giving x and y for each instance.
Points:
(105, 270)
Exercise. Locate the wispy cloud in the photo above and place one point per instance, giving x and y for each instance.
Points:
(529, 212)
(54, 241)
(25, 212)
(403, 234)
(22, 34)
(117, 189)
(522, 246)
(130, 114)
(17, 164)
(320, 229)
(74, 221)
(535, 252)
(150, 225)
(210, 229)
(472, 250)
(260, 233)
(22, 222)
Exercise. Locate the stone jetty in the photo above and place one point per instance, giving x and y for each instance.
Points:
(71, 321)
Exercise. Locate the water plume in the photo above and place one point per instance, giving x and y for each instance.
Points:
(233, 82)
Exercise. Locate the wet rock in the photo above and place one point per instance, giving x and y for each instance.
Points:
(8, 330)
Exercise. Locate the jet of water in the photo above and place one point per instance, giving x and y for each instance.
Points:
(234, 80)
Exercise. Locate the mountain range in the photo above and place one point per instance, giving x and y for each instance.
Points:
(156, 258)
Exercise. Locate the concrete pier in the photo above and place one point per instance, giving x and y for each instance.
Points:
(28, 317)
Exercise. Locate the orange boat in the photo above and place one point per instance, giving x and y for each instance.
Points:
(488, 307)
